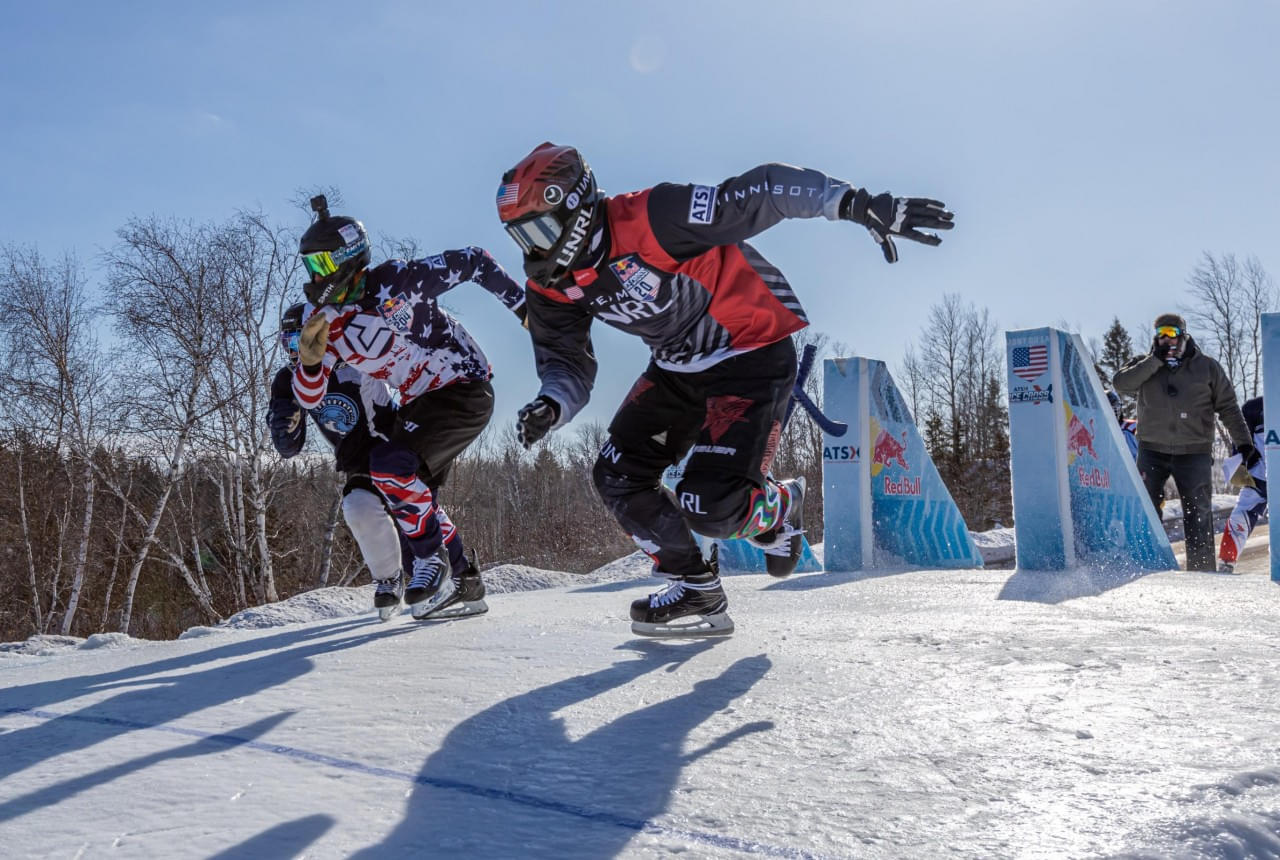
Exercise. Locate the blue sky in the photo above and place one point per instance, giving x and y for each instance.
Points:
(1091, 151)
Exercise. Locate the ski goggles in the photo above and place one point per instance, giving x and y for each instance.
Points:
(539, 233)
(1168, 331)
(320, 263)
(325, 263)
(289, 340)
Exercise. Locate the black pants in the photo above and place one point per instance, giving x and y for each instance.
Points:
(1193, 476)
(440, 424)
(730, 415)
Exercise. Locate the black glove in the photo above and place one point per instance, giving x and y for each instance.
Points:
(886, 216)
(1162, 350)
(284, 418)
(535, 419)
(1250, 454)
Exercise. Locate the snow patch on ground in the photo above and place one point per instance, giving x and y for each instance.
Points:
(995, 546)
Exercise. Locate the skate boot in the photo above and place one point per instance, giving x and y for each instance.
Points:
(784, 543)
(430, 583)
(692, 605)
(386, 596)
(1226, 567)
(466, 597)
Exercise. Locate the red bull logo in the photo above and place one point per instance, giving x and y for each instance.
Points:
(888, 450)
(1099, 479)
(1080, 438)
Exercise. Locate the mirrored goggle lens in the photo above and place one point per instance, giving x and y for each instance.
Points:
(320, 263)
(289, 340)
(540, 233)
(1169, 331)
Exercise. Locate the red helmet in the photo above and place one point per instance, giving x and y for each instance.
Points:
(549, 204)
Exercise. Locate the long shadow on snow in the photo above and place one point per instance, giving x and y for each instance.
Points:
(289, 839)
(44, 693)
(511, 782)
(51, 795)
(165, 698)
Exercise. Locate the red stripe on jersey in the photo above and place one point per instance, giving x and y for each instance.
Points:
(740, 300)
(554, 295)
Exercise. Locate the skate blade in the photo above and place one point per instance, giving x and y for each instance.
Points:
(704, 625)
(463, 609)
(386, 613)
(425, 607)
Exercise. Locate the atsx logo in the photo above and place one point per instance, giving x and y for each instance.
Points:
(702, 204)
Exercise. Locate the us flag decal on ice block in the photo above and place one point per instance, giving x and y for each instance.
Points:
(1029, 362)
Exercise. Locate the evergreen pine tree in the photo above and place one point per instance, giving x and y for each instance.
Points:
(1117, 348)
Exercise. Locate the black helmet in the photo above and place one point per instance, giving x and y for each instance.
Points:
(291, 328)
(335, 249)
(551, 206)
(1117, 405)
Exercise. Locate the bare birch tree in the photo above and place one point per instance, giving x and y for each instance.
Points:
(56, 379)
(1225, 315)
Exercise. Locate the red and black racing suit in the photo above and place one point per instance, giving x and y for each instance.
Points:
(672, 266)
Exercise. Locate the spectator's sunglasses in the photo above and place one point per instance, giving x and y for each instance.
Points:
(1168, 331)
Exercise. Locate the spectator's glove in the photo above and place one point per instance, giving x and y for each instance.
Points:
(313, 341)
(886, 216)
(1249, 454)
(522, 313)
(535, 420)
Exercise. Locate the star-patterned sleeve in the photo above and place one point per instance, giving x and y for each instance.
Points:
(435, 275)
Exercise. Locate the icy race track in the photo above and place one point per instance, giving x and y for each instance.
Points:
(910, 715)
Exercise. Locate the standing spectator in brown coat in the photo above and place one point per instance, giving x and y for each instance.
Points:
(1180, 391)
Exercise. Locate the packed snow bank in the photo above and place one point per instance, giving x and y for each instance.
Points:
(995, 546)
(338, 602)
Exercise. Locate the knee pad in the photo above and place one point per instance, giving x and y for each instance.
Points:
(713, 504)
(375, 532)
(614, 486)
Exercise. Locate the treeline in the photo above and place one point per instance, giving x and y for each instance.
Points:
(144, 495)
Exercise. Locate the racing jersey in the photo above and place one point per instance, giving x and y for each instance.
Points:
(355, 410)
(674, 268)
(398, 333)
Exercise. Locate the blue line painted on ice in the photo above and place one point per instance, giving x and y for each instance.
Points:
(583, 812)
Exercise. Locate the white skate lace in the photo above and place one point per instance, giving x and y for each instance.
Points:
(670, 594)
(781, 544)
(387, 586)
(425, 572)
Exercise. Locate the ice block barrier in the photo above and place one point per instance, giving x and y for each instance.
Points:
(884, 502)
(1078, 502)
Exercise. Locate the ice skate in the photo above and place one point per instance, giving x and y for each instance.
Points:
(1226, 567)
(784, 543)
(386, 596)
(430, 583)
(466, 596)
(690, 606)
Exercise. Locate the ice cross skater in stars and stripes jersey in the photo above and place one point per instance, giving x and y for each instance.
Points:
(385, 322)
(671, 264)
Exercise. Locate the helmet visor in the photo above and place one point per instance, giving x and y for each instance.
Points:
(539, 233)
(289, 340)
(320, 263)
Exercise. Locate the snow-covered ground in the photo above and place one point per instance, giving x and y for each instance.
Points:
(910, 715)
